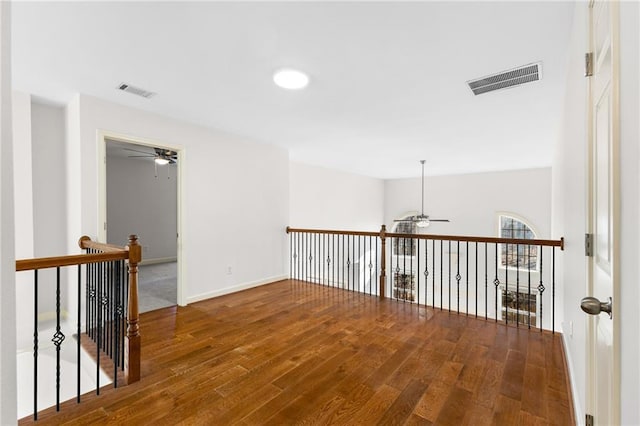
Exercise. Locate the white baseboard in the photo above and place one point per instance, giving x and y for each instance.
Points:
(235, 288)
(578, 411)
(158, 260)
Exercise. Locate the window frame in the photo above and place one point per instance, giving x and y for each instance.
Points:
(534, 235)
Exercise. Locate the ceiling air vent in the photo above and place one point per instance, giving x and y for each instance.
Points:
(135, 90)
(505, 79)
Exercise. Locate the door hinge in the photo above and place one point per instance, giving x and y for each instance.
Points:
(589, 420)
(588, 64)
(588, 245)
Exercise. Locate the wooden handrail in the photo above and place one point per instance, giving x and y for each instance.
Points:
(74, 259)
(87, 243)
(498, 240)
(109, 253)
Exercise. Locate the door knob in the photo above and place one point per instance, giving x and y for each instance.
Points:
(593, 306)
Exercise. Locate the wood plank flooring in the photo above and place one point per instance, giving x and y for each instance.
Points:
(297, 353)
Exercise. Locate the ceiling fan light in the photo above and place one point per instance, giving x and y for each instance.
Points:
(423, 223)
(161, 161)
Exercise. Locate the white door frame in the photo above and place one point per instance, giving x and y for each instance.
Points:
(102, 194)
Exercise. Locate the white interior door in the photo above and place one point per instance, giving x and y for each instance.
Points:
(603, 345)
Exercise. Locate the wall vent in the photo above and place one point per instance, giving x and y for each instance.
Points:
(505, 79)
(135, 90)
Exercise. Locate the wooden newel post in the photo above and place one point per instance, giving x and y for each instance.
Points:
(132, 342)
(383, 259)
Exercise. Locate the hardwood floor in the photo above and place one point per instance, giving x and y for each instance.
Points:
(298, 353)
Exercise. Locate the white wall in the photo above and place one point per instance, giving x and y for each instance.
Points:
(47, 169)
(23, 207)
(569, 186)
(472, 201)
(140, 202)
(322, 198)
(49, 195)
(8, 403)
(235, 191)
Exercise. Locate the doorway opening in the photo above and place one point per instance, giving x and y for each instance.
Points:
(141, 193)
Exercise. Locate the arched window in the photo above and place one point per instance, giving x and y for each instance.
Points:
(521, 304)
(402, 246)
(517, 255)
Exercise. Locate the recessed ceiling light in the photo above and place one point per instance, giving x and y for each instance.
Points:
(291, 79)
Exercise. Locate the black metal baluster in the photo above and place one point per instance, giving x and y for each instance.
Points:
(496, 283)
(79, 330)
(486, 281)
(360, 279)
(417, 272)
(441, 274)
(342, 263)
(333, 266)
(476, 279)
(58, 338)
(376, 265)
(125, 312)
(529, 285)
(109, 308)
(353, 270)
(449, 275)
(370, 265)
(553, 289)
(392, 271)
(350, 261)
(458, 278)
(506, 283)
(426, 272)
(299, 256)
(118, 312)
(517, 285)
(541, 289)
(404, 270)
(35, 345)
(467, 276)
(98, 329)
(433, 277)
(323, 252)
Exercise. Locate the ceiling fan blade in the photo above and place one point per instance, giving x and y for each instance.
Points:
(141, 156)
(439, 220)
(404, 220)
(141, 152)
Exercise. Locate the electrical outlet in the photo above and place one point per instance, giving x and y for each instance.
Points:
(145, 248)
(229, 270)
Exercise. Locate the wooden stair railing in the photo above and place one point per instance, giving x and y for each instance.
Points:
(100, 260)
(132, 253)
(503, 279)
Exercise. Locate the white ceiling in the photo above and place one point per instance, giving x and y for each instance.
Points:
(387, 78)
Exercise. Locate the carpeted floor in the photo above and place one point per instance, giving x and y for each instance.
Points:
(157, 286)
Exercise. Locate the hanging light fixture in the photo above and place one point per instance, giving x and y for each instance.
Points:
(421, 220)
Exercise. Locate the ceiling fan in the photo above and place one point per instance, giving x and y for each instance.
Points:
(421, 220)
(160, 157)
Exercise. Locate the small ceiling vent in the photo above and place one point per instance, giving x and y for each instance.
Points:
(135, 90)
(505, 79)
